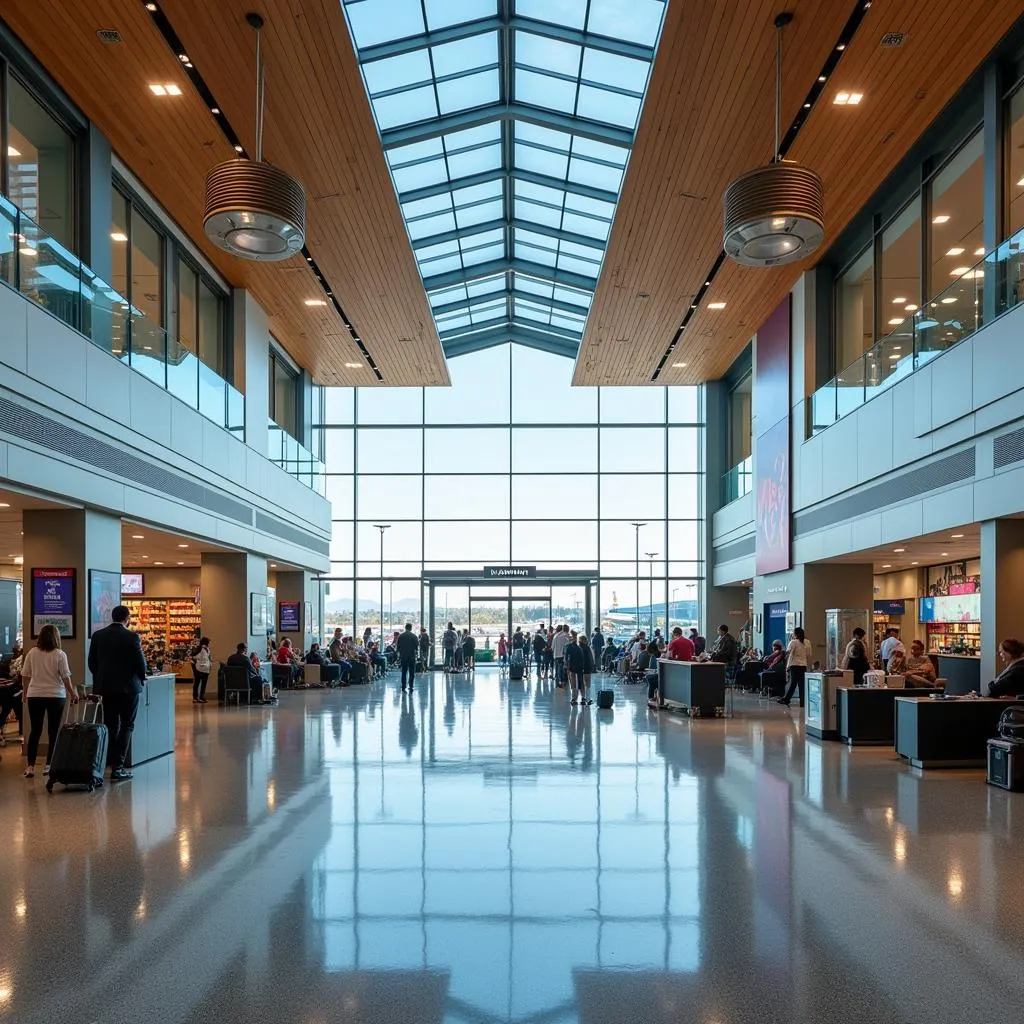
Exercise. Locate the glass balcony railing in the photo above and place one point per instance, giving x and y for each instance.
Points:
(41, 269)
(283, 450)
(738, 481)
(954, 314)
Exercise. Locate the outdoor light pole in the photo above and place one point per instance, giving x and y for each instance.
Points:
(637, 526)
(650, 588)
(382, 527)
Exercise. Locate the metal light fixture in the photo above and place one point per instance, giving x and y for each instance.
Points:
(253, 209)
(774, 214)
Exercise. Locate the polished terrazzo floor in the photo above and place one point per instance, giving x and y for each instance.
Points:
(483, 852)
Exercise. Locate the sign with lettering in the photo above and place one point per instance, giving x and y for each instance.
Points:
(891, 607)
(288, 616)
(53, 601)
(510, 572)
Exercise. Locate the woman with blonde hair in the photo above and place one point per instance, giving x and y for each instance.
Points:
(47, 680)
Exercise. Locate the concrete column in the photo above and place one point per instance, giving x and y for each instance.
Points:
(227, 581)
(724, 606)
(78, 539)
(298, 587)
(251, 366)
(1002, 589)
(97, 205)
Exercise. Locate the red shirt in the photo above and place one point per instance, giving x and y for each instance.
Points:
(284, 655)
(681, 649)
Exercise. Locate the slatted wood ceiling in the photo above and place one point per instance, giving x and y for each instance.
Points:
(708, 117)
(319, 128)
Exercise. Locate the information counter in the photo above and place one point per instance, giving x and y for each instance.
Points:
(697, 686)
(962, 673)
(867, 714)
(947, 733)
(154, 724)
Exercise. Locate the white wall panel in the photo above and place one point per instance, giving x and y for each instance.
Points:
(56, 354)
(999, 495)
(954, 507)
(736, 517)
(922, 407)
(874, 438)
(999, 358)
(151, 410)
(13, 329)
(839, 456)
(216, 446)
(187, 431)
(952, 391)
(903, 521)
(107, 386)
(808, 472)
(867, 531)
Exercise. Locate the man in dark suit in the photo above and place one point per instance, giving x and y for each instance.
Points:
(118, 669)
(408, 648)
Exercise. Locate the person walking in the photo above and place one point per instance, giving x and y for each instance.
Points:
(558, 645)
(202, 665)
(424, 641)
(597, 645)
(585, 667)
(539, 643)
(502, 650)
(798, 657)
(118, 669)
(573, 665)
(408, 647)
(449, 641)
(855, 657)
(46, 682)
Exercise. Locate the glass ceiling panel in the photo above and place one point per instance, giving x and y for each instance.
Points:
(533, 154)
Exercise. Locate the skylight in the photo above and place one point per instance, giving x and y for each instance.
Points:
(507, 126)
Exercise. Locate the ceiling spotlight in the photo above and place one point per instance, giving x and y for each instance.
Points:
(315, 302)
(957, 250)
(150, 7)
(158, 563)
(214, 110)
(899, 301)
(182, 545)
(138, 536)
(945, 554)
(354, 366)
(253, 209)
(679, 366)
(915, 563)
(980, 251)
(959, 271)
(898, 551)
(887, 566)
(941, 218)
(807, 106)
(822, 78)
(716, 305)
(841, 47)
(238, 148)
(910, 307)
(895, 321)
(956, 536)
(949, 300)
(183, 57)
(181, 563)
(782, 190)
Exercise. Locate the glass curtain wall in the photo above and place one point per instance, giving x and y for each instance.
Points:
(513, 465)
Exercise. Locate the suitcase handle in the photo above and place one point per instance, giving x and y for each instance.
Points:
(72, 717)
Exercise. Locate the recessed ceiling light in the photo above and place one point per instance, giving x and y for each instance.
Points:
(173, 90)
(182, 545)
(949, 300)
(183, 57)
(956, 536)
(899, 300)
(138, 536)
(898, 551)
(807, 106)
(895, 321)
(778, 222)
(316, 302)
(214, 110)
(887, 566)
(847, 99)
(158, 563)
(679, 366)
(980, 251)
(910, 307)
(273, 565)
(841, 47)
(157, 90)
(238, 149)
(716, 305)
(957, 250)
(150, 7)
(821, 78)
(5, 504)
(915, 563)
(181, 563)
(118, 236)
(944, 554)
(354, 366)
(11, 151)
(959, 271)
(941, 218)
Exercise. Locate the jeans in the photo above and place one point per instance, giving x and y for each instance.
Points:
(796, 679)
(199, 684)
(49, 709)
(119, 711)
(559, 670)
(408, 668)
(449, 657)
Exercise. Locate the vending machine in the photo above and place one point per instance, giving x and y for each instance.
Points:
(822, 700)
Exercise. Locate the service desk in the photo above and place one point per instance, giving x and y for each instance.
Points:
(867, 714)
(946, 733)
(154, 724)
(962, 673)
(698, 686)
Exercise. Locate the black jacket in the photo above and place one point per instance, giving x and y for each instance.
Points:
(1009, 682)
(242, 661)
(116, 661)
(408, 645)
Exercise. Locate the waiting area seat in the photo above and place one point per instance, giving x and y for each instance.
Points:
(233, 682)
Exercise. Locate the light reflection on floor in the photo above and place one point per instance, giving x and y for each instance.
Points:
(481, 851)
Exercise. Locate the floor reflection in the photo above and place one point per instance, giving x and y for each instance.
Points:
(482, 851)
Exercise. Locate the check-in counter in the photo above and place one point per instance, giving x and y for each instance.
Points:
(867, 714)
(154, 724)
(697, 686)
(947, 733)
(962, 673)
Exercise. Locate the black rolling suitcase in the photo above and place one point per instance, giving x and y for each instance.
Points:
(517, 666)
(80, 755)
(605, 699)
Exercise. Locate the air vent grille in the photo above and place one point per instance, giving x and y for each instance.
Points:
(893, 40)
(109, 35)
(1008, 448)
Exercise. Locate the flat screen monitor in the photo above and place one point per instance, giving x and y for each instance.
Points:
(132, 583)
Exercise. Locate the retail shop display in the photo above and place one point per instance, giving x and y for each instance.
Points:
(168, 627)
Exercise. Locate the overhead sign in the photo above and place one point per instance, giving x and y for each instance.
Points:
(510, 572)
(53, 601)
(891, 606)
(288, 616)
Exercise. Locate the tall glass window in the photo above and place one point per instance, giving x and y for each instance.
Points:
(900, 277)
(40, 165)
(956, 236)
(739, 421)
(1015, 164)
(512, 464)
(855, 310)
(284, 394)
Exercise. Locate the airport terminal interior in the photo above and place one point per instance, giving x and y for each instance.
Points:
(511, 511)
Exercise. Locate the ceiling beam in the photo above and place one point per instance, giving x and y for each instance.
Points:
(516, 322)
(474, 28)
(511, 222)
(423, 131)
(558, 304)
(501, 335)
(429, 191)
(451, 277)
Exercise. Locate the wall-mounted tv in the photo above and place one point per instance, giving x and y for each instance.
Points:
(950, 608)
(133, 583)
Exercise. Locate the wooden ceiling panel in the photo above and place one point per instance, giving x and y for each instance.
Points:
(708, 117)
(319, 127)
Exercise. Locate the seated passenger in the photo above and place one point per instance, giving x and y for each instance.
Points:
(776, 658)
(286, 656)
(918, 669)
(259, 691)
(314, 656)
(1010, 681)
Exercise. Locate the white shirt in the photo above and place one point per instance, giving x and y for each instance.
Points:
(889, 644)
(558, 644)
(45, 672)
(798, 654)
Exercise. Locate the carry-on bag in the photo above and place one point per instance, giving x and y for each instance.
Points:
(605, 699)
(517, 666)
(80, 755)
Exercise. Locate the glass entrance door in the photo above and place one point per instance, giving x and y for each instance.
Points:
(488, 619)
